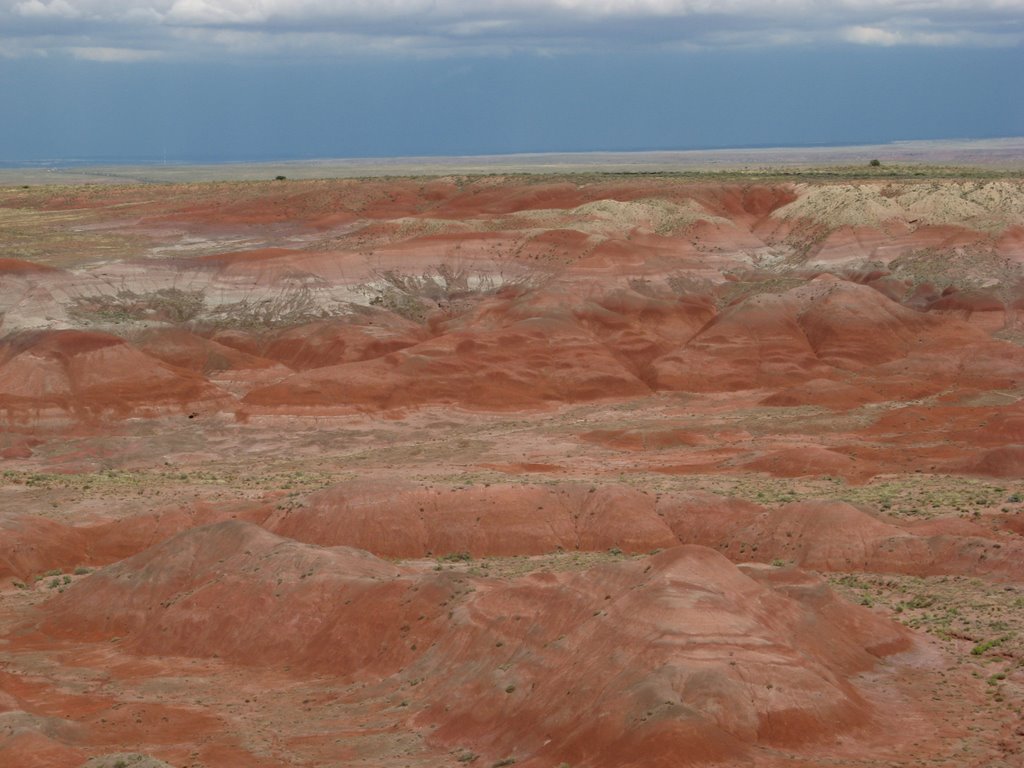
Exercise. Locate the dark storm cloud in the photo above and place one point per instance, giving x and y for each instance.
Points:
(197, 28)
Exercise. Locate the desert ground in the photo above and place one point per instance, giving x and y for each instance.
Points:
(563, 468)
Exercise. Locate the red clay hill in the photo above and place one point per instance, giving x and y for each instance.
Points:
(573, 470)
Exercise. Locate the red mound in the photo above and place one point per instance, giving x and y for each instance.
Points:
(971, 440)
(31, 546)
(412, 521)
(834, 536)
(681, 656)
(968, 302)
(748, 204)
(182, 349)
(312, 204)
(640, 328)
(754, 344)
(1010, 244)
(836, 395)
(890, 287)
(812, 460)
(183, 563)
(827, 328)
(318, 345)
(498, 200)
(1007, 461)
(503, 519)
(14, 446)
(41, 725)
(525, 364)
(851, 326)
(89, 375)
(31, 741)
(278, 267)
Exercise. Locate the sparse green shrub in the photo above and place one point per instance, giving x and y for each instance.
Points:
(981, 648)
(443, 287)
(292, 306)
(921, 601)
(171, 305)
(456, 557)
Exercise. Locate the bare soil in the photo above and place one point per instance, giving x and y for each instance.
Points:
(553, 469)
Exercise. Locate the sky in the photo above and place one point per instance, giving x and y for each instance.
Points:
(235, 80)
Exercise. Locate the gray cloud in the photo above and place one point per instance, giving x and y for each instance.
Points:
(133, 30)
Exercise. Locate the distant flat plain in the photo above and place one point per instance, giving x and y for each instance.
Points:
(1006, 154)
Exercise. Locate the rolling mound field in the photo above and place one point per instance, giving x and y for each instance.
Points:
(594, 470)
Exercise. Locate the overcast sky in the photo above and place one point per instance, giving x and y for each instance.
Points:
(262, 79)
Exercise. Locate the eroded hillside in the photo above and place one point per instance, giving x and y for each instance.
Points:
(584, 470)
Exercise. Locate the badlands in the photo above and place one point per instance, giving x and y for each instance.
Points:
(579, 469)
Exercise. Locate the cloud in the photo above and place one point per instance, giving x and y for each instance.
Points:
(113, 54)
(189, 28)
(871, 36)
(53, 9)
(863, 35)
